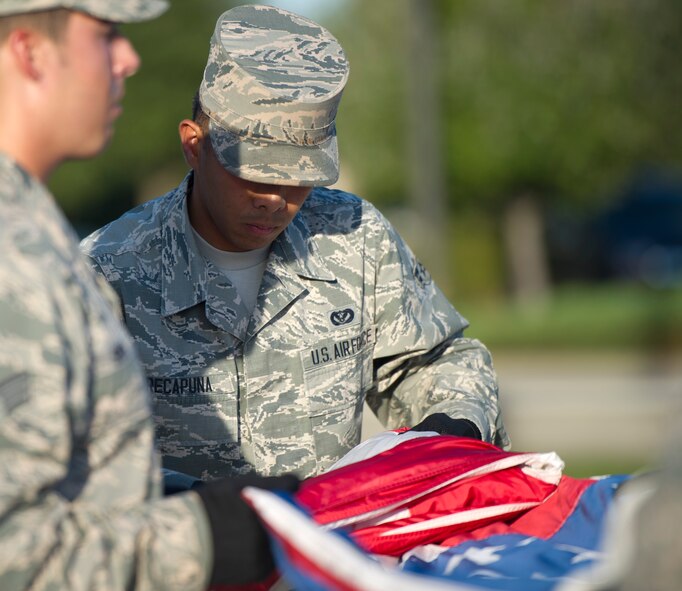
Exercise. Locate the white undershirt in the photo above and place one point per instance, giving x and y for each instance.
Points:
(243, 269)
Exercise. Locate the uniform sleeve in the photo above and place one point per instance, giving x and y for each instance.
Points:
(423, 363)
(79, 497)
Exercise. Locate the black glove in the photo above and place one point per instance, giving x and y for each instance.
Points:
(444, 425)
(241, 549)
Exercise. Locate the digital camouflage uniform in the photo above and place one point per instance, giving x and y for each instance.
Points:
(345, 312)
(80, 504)
(80, 482)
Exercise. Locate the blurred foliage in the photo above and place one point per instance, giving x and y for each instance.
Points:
(372, 118)
(564, 103)
(565, 100)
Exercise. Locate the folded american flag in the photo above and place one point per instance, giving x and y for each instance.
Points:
(438, 512)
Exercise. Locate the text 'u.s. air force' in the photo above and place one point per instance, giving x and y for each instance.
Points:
(342, 348)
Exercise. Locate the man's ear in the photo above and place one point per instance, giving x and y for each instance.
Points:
(191, 137)
(28, 49)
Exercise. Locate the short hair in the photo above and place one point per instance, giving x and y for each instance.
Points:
(51, 23)
(199, 116)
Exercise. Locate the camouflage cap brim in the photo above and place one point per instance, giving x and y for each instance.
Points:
(276, 163)
(118, 11)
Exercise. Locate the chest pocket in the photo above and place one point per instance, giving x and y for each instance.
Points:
(337, 374)
(196, 419)
(337, 370)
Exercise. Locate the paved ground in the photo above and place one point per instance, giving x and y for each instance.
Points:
(587, 407)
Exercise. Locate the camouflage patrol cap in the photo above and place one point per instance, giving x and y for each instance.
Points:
(118, 11)
(271, 90)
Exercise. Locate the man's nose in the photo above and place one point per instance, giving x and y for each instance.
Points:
(126, 59)
(271, 200)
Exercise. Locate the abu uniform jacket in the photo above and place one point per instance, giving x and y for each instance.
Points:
(345, 313)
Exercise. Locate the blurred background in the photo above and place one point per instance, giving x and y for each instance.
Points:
(531, 154)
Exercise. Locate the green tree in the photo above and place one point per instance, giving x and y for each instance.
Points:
(555, 103)
(372, 120)
(544, 104)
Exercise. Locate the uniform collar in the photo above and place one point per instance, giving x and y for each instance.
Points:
(299, 251)
(186, 279)
(183, 270)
